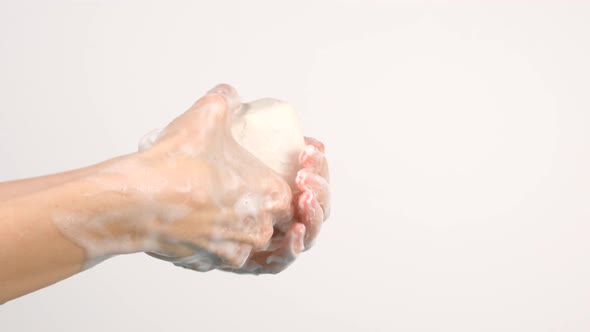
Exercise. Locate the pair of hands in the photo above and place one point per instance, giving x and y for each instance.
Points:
(193, 197)
(232, 212)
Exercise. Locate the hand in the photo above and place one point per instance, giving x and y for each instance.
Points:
(237, 213)
(193, 196)
(312, 208)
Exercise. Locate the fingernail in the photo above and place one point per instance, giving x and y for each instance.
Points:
(309, 154)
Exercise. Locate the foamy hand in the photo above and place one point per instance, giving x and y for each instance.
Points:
(245, 219)
(195, 197)
(232, 201)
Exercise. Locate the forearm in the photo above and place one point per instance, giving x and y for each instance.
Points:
(34, 252)
(16, 188)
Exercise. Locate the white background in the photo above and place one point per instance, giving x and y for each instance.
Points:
(457, 135)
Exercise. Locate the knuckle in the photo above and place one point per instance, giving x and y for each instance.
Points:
(239, 258)
(214, 99)
(265, 235)
(285, 195)
(280, 195)
(260, 239)
(303, 177)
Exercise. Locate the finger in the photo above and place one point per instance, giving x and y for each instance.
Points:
(201, 262)
(214, 247)
(169, 251)
(284, 256)
(150, 139)
(253, 219)
(212, 111)
(198, 260)
(228, 92)
(279, 197)
(232, 254)
(273, 262)
(281, 205)
(311, 215)
(262, 233)
(307, 180)
(311, 157)
(199, 267)
(229, 225)
(206, 256)
(312, 141)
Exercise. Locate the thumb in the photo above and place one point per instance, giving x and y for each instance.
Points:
(212, 113)
(216, 108)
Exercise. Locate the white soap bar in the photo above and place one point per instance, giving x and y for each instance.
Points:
(270, 130)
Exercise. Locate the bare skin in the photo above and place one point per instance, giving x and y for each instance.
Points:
(51, 226)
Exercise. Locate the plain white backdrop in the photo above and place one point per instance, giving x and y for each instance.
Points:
(457, 135)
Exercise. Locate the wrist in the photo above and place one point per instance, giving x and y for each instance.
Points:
(102, 212)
